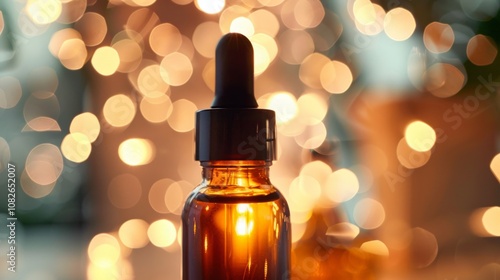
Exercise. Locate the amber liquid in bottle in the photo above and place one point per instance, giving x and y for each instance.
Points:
(236, 226)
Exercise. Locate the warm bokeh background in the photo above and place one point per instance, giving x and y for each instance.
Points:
(388, 132)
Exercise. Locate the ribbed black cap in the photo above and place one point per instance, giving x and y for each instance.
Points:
(234, 128)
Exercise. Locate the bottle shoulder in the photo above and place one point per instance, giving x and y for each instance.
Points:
(237, 194)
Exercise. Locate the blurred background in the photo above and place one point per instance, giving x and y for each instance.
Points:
(388, 121)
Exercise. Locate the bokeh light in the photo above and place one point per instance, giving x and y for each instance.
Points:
(41, 124)
(304, 191)
(298, 231)
(87, 124)
(495, 166)
(481, 50)
(342, 185)
(368, 17)
(284, 105)
(317, 170)
(142, 21)
(176, 69)
(151, 82)
(4, 154)
(136, 151)
(73, 54)
(130, 53)
(369, 213)
(156, 110)
(312, 136)
(119, 110)
(182, 2)
(424, 247)
(182, 117)
(210, 6)
(43, 12)
(243, 26)
(444, 79)
(336, 77)
(205, 38)
(265, 22)
(301, 14)
(344, 231)
(375, 247)
(44, 164)
(41, 104)
(310, 69)
(133, 233)
(34, 189)
(312, 108)
(72, 11)
(490, 220)
(409, 157)
(43, 79)
(10, 92)
(484, 221)
(295, 45)
(2, 23)
(310, 13)
(157, 195)
(175, 196)
(104, 250)
(420, 136)
(363, 11)
(92, 27)
(122, 267)
(76, 147)
(106, 60)
(229, 14)
(399, 24)
(438, 37)
(165, 39)
(162, 233)
(61, 36)
(265, 51)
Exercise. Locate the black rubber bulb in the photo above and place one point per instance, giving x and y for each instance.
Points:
(234, 73)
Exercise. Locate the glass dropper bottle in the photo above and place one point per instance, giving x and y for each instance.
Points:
(235, 224)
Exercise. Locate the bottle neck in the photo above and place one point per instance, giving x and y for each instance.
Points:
(236, 173)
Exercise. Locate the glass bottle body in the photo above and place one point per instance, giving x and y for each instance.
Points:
(236, 225)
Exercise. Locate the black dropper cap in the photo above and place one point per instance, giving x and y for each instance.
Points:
(234, 128)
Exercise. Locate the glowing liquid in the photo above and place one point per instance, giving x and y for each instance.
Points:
(236, 237)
